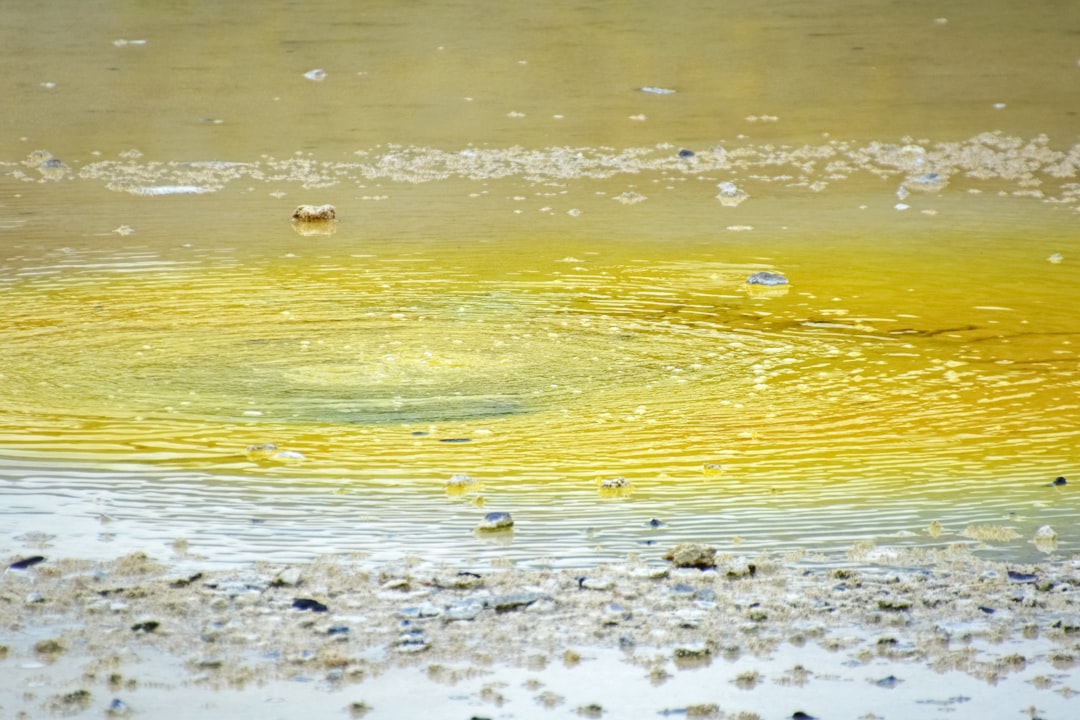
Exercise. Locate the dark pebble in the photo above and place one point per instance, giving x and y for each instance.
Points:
(888, 682)
(455, 440)
(26, 562)
(800, 715)
(987, 610)
(1022, 577)
(337, 630)
(1060, 481)
(309, 604)
(148, 627)
(686, 153)
(419, 433)
(656, 523)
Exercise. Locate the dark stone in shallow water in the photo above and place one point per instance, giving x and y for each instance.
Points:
(1060, 481)
(309, 604)
(455, 440)
(27, 562)
(686, 153)
(1021, 576)
(766, 278)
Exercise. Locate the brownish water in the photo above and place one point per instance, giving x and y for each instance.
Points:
(524, 260)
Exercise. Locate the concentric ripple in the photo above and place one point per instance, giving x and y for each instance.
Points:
(779, 418)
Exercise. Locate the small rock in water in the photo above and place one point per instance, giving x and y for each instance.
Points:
(769, 279)
(461, 484)
(686, 153)
(730, 195)
(1060, 481)
(317, 75)
(314, 213)
(496, 521)
(693, 555)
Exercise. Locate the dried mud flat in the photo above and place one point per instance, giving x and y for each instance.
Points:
(926, 635)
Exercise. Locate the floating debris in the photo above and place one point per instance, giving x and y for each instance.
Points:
(1056, 258)
(730, 194)
(166, 189)
(927, 182)
(261, 451)
(657, 90)
(316, 75)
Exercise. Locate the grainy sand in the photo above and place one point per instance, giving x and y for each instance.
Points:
(754, 637)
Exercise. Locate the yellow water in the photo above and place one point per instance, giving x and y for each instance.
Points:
(530, 284)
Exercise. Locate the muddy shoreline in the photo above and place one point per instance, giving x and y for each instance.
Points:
(124, 636)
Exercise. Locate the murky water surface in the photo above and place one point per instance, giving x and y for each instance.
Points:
(538, 278)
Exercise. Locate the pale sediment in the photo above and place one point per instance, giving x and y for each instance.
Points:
(103, 631)
(988, 162)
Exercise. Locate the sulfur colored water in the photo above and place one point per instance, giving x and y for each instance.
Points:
(546, 218)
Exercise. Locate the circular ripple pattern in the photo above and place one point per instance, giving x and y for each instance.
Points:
(778, 419)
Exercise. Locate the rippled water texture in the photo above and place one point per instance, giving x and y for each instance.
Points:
(537, 278)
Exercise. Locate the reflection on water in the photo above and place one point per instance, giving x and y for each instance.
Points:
(484, 307)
